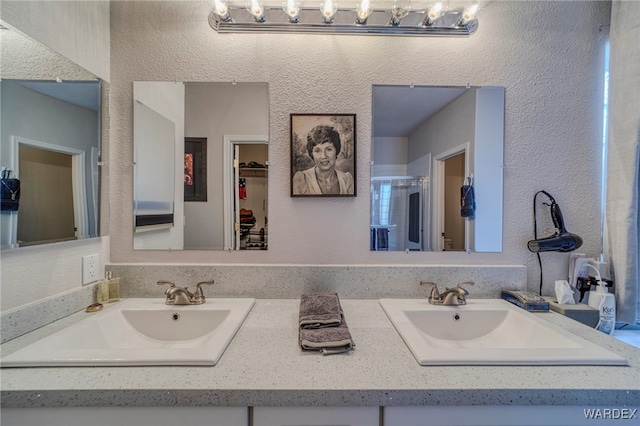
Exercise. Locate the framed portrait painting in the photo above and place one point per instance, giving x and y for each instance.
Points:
(323, 155)
(195, 169)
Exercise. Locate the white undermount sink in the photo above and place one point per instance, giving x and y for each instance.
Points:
(140, 332)
(488, 332)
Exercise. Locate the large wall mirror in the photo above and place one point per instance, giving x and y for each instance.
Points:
(201, 165)
(437, 172)
(50, 141)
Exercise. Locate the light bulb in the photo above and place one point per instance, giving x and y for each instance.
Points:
(292, 9)
(221, 9)
(363, 10)
(400, 9)
(255, 8)
(469, 14)
(328, 9)
(434, 12)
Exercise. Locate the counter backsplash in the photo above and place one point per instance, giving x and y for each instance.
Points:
(272, 282)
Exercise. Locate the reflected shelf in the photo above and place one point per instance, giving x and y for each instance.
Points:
(254, 172)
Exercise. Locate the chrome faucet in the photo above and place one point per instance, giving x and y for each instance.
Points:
(182, 295)
(451, 296)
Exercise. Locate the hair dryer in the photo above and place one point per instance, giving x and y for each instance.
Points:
(561, 240)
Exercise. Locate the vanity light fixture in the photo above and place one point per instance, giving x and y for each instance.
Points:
(292, 9)
(469, 13)
(433, 13)
(386, 17)
(328, 9)
(363, 10)
(400, 10)
(221, 10)
(255, 8)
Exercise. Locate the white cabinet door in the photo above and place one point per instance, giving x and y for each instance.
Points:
(125, 416)
(316, 416)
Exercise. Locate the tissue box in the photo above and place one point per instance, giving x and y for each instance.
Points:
(584, 314)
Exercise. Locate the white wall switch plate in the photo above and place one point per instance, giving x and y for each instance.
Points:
(90, 268)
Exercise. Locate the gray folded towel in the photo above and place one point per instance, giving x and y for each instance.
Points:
(322, 325)
(329, 340)
(320, 310)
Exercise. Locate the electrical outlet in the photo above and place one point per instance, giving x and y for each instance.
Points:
(572, 264)
(580, 270)
(90, 268)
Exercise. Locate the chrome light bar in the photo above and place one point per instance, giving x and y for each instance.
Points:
(273, 19)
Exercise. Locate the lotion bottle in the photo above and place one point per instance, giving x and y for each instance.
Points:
(605, 302)
(102, 291)
(113, 287)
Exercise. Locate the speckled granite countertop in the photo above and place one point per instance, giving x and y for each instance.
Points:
(263, 366)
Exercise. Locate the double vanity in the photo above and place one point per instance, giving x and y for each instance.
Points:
(184, 330)
(555, 361)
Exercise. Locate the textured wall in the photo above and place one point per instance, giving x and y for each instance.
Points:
(79, 30)
(548, 56)
(26, 59)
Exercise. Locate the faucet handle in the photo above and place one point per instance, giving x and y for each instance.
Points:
(428, 284)
(163, 282)
(198, 295)
(435, 294)
(467, 283)
(201, 283)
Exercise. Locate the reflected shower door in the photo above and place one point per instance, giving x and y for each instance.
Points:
(399, 213)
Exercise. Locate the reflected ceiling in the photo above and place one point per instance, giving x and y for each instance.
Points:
(399, 110)
(85, 94)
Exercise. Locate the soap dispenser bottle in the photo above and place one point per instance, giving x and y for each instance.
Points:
(113, 285)
(605, 302)
(101, 294)
(110, 288)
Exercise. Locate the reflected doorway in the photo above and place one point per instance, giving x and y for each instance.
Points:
(251, 197)
(46, 205)
(454, 175)
(52, 181)
(246, 194)
(450, 169)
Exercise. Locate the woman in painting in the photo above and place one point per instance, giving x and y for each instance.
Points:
(323, 146)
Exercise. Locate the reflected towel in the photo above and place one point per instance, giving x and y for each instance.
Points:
(467, 201)
(320, 310)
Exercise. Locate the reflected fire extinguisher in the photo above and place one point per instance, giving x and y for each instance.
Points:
(242, 189)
